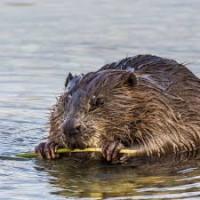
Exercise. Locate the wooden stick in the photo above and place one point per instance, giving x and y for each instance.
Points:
(132, 152)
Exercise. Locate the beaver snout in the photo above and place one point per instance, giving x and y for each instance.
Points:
(72, 127)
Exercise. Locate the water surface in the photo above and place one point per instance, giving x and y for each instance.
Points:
(40, 42)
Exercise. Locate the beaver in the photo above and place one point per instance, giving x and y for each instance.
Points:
(145, 102)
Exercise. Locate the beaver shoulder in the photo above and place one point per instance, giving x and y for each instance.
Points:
(167, 74)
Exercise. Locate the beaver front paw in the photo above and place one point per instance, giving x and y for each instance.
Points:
(47, 150)
(111, 152)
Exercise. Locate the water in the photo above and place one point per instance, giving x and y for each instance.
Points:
(40, 42)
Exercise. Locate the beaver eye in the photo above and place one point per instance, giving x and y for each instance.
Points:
(96, 102)
(99, 101)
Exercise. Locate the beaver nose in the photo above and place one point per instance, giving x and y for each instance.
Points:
(72, 127)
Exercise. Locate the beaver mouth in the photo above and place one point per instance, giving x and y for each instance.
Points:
(74, 142)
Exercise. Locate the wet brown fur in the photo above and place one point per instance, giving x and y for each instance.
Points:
(159, 113)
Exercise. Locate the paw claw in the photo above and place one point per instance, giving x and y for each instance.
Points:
(47, 150)
(111, 152)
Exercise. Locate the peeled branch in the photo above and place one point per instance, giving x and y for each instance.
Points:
(132, 152)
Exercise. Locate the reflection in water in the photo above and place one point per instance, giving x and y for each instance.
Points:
(96, 180)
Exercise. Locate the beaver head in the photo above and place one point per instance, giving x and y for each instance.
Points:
(97, 106)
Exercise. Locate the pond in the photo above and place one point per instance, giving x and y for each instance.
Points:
(40, 42)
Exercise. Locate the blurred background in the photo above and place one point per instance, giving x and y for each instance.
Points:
(40, 42)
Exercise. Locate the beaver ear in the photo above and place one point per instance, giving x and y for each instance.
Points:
(131, 79)
(68, 79)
